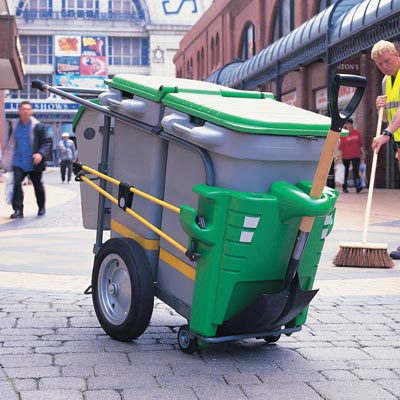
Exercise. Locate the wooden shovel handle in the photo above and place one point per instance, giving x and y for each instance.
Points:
(338, 120)
(321, 174)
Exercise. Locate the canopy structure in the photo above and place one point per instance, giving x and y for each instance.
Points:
(343, 30)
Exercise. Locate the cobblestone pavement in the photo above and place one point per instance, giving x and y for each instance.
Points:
(52, 347)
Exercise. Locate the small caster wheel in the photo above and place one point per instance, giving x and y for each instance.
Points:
(272, 339)
(186, 343)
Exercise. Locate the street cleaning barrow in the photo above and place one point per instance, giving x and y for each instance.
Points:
(204, 190)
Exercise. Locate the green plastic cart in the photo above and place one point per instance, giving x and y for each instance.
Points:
(205, 190)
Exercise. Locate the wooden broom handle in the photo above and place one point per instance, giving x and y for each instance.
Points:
(372, 179)
(321, 174)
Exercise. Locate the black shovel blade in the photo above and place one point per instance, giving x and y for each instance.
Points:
(270, 311)
(297, 300)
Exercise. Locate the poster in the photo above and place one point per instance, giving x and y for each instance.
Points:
(78, 59)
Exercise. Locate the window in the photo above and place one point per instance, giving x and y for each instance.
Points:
(28, 92)
(323, 4)
(198, 66)
(284, 22)
(79, 8)
(189, 69)
(212, 49)
(126, 7)
(217, 50)
(128, 51)
(37, 49)
(248, 45)
(38, 4)
(202, 64)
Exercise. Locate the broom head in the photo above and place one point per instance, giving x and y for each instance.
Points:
(368, 255)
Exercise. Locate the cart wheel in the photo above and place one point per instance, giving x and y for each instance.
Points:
(272, 339)
(122, 289)
(186, 343)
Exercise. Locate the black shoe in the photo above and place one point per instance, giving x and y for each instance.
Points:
(17, 214)
(345, 189)
(41, 212)
(359, 188)
(395, 255)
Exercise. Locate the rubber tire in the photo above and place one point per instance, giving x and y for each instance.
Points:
(126, 316)
(272, 339)
(187, 344)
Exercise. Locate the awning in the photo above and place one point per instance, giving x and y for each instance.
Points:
(11, 60)
(336, 26)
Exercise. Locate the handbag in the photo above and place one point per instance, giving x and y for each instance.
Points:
(9, 189)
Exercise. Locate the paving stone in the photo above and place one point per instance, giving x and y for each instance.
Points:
(105, 395)
(383, 353)
(338, 375)
(62, 383)
(121, 382)
(288, 391)
(90, 359)
(32, 372)
(78, 371)
(152, 369)
(43, 322)
(241, 378)
(31, 360)
(24, 384)
(334, 354)
(391, 385)
(181, 393)
(374, 373)
(52, 395)
(220, 393)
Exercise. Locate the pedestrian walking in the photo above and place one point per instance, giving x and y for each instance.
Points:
(66, 156)
(387, 60)
(351, 152)
(25, 154)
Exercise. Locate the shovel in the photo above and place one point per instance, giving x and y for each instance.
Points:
(271, 311)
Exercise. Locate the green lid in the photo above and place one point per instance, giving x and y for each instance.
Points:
(250, 115)
(156, 87)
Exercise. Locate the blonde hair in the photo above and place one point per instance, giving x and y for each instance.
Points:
(381, 47)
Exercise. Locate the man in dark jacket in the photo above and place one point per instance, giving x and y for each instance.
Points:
(26, 152)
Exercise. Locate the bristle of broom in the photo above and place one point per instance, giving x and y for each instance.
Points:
(362, 255)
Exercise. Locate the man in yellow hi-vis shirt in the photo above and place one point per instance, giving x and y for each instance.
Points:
(387, 59)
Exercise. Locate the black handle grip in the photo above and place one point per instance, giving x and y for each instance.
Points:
(340, 118)
(38, 84)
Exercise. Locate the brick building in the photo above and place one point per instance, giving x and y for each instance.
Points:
(293, 48)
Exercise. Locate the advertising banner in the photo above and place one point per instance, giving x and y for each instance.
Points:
(80, 61)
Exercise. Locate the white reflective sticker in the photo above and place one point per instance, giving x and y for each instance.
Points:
(328, 219)
(246, 237)
(324, 233)
(251, 222)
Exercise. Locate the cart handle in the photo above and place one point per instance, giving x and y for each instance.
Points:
(80, 176)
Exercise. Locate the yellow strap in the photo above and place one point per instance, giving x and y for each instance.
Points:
(132, 189)
(128, 210)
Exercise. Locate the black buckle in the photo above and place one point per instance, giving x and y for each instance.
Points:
(125, 196)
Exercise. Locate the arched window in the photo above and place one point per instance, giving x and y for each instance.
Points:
(217, 50)
(202, 64)
(189, 69)
(248, 42)
(198, 66)
(212, 47)
(284, 22)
